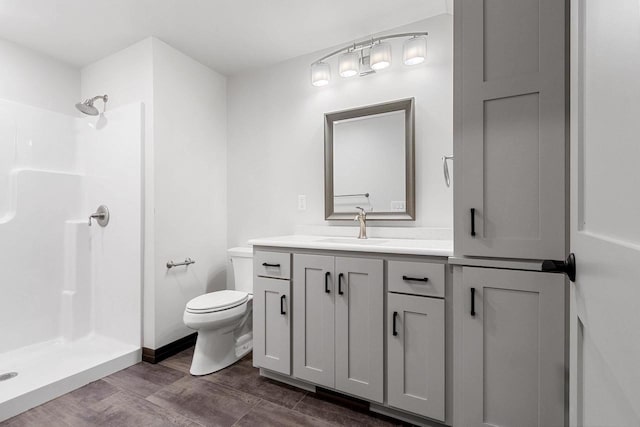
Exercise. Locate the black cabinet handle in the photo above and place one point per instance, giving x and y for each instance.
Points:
(340, 276)
(326, 282)
(415, 279)
(282, 305)
(473, 222)
(266, 264)
(395, 316)
(473, 302)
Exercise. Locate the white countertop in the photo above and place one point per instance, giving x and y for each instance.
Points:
(442, 248)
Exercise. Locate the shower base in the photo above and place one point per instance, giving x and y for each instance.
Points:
(50, 369)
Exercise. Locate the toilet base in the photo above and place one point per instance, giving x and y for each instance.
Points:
(215, 350)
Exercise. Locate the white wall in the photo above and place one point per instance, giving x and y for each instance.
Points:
(185, 174)
(31, 78)
(190, 184)
(276, 142)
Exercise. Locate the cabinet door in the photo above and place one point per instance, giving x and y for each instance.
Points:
(415, 354)
(313, 317)
(272, 324)
(360, 327)
(509, 112)
(513, 369)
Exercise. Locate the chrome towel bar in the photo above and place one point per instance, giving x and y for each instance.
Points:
(187, 261)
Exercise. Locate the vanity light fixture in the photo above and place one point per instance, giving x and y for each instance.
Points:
(349, 64)
(414, 50)
(369, 56)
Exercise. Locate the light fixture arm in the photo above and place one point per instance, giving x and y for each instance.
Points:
(368, 43)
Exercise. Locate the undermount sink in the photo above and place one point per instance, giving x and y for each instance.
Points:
(354, 241)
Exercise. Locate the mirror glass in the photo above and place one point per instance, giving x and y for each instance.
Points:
(370, 164)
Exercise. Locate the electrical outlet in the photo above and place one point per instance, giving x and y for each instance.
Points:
(302, 202)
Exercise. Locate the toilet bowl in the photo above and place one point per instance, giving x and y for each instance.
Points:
(223, 319)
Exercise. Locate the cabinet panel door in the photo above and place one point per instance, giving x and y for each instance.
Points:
(510, 128)
(272, 324)
(360, 327)
(513, 369)
(415, 355)
(313, 318)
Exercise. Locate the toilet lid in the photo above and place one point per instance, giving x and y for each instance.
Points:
(216, 301)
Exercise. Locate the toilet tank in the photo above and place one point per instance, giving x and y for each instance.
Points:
(242, 261)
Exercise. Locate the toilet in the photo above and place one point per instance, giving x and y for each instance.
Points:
(223, 319)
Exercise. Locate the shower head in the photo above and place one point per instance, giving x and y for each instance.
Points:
(87, 107)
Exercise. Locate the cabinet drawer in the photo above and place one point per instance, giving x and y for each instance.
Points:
(407, 277)
(272, 264)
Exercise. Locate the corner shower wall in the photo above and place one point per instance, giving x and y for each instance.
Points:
(70, 305)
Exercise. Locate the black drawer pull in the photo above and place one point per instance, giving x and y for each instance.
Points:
(473, 222)
(415, 279)
(473, 302)
(326, 282)
(282, 305)
(395, 316)
(340, 276)
(266, 264)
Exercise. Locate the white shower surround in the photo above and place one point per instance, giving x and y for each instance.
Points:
(71, 294)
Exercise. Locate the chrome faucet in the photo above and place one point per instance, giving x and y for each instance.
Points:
(362, 217)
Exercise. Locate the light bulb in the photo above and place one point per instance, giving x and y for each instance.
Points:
(414, 50)
(380, 56)
(320, 74)
(349, 64)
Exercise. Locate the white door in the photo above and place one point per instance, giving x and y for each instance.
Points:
(605, 212)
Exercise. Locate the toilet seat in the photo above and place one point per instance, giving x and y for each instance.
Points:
(217, 301)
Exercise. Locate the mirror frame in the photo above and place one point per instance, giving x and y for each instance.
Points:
(406, 105)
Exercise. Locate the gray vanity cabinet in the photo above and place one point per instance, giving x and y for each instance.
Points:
(314, 318)
(338, 338)
(359, 326)
(509, 128)
(512, 348)
(272, 311)
(416, 354)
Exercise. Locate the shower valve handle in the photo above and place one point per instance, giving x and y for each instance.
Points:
(102, 215)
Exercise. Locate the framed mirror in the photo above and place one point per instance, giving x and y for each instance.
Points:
(369, 162)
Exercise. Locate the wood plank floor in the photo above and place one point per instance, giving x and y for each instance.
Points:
(167, 395)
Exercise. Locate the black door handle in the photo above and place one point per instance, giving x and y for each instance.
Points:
(326, 282)
(282, 305)
(473, 302)
(415, 279)
(473, 222)
(266, 264)
(395, 315)
(340, 276)
(568, 267)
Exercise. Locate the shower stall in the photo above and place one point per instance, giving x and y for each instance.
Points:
(70, 292)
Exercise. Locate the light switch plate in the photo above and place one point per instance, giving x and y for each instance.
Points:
(302, 202)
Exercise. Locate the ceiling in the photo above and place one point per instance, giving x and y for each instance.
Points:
(227, 35)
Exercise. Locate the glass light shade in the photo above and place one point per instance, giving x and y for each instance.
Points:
(349, 64)
(380, 56)
(414, 50)
(320, 74)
